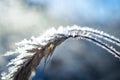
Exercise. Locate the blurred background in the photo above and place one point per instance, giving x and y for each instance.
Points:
(73, 59)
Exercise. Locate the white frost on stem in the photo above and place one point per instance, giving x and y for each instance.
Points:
(33, 50)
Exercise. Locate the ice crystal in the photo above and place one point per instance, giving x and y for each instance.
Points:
(30, 52)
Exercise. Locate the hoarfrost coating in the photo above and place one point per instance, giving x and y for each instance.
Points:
(30, 52)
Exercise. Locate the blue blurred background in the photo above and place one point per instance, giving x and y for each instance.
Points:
(72, 60)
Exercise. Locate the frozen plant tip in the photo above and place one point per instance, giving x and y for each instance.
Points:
(30, 52)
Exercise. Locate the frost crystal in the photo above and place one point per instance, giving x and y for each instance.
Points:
(30, 52)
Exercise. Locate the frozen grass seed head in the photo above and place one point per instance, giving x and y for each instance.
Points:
(30, 52)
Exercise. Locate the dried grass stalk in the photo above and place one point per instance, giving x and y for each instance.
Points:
(30, 52)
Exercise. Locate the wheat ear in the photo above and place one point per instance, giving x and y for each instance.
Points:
(30, 52)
